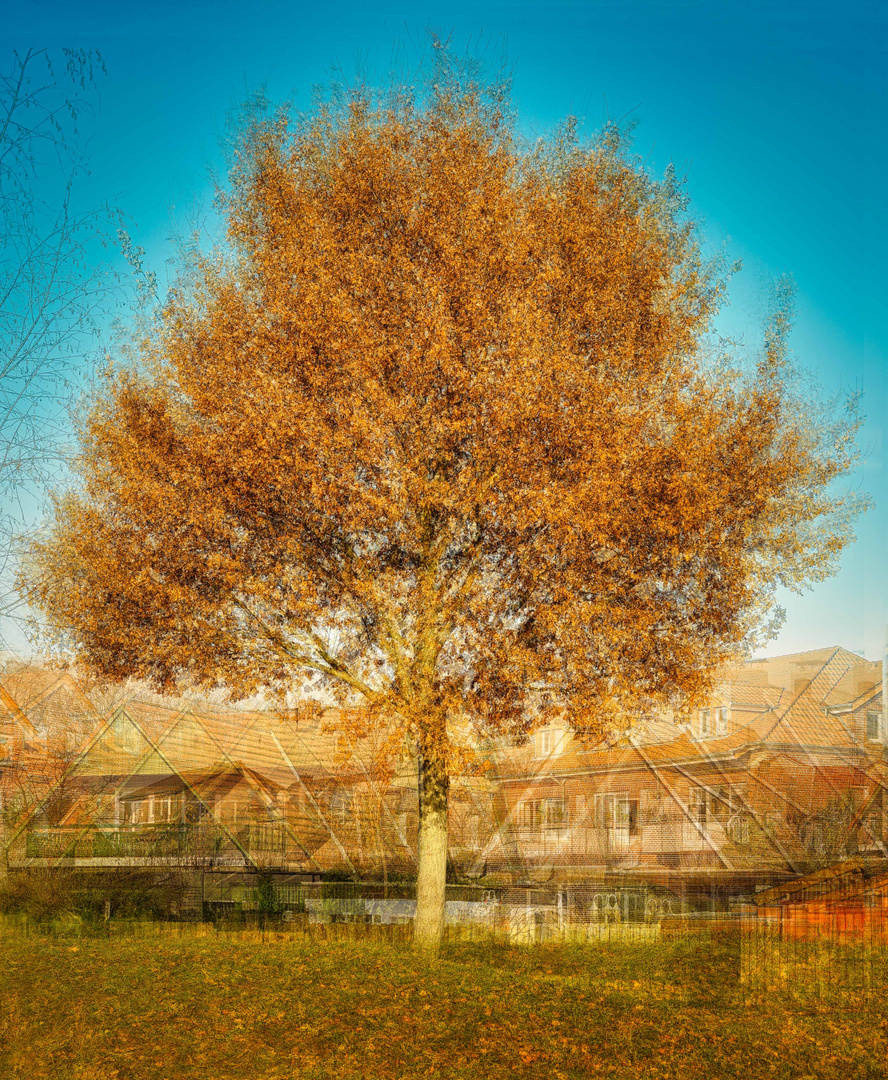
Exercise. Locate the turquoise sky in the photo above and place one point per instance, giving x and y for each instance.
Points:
(775, 113)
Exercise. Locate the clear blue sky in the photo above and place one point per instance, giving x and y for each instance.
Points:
(776, 114)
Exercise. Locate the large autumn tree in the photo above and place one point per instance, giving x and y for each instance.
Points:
(444, 425)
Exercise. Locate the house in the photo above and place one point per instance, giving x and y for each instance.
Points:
(45, 717)
(192, 785)
(782, 772)
(802, 921)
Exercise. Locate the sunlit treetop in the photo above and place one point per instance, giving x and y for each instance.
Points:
(443, 425)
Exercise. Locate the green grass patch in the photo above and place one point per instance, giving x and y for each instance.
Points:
(216, 1008)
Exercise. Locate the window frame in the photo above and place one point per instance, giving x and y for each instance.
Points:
(546, 812)
(341, 806)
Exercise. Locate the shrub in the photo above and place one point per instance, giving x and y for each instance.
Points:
(47, 894)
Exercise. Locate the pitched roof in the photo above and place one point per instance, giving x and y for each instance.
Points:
(805, 719)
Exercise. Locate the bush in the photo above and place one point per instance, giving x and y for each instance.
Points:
(270, 906)
(41, 894)
(46, 895)
(346, 909)
(337, 875)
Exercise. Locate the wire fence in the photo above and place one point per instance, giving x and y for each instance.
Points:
(804, 955)
(816, 952)
(335, 920)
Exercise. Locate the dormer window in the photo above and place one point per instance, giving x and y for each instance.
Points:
(712, 722)
(548, 742)
(341, 806)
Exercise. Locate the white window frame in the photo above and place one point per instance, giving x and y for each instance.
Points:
(698, 805)
(341, 806)
(613, 815)
(554, 812)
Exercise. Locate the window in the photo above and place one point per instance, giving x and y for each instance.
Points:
(707, 804)
(627, 815)
(134, 811)
(697, 802)
(616, 816)
(547, 742)
(719, 803)
(721, 721)
(738, 829)
(874, 822)
(873, 725)
(341, 806)
(616, 812)
(542, 813)
(603, 811)
(703, 722)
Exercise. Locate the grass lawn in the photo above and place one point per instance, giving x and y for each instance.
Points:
(218, 1009)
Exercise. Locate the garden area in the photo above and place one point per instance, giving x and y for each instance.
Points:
(203, 1005)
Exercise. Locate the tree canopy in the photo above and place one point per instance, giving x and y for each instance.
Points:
(444, 426)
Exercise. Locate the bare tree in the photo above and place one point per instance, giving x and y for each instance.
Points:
(52, 287)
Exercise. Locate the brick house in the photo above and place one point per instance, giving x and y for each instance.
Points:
(783, 771)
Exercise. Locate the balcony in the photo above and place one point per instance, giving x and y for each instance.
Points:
(164, 842)
(128, 842)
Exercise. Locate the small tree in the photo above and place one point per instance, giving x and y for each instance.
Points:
(829, 834)
(442, 427)
(52, 289)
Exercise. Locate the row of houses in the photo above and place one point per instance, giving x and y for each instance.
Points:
(783, 772)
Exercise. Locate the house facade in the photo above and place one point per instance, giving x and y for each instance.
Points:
(783, 771)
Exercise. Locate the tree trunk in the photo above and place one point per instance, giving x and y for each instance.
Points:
(431, 879)
(381, 842)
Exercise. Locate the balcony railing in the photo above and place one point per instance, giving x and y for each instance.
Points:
(155, 841)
